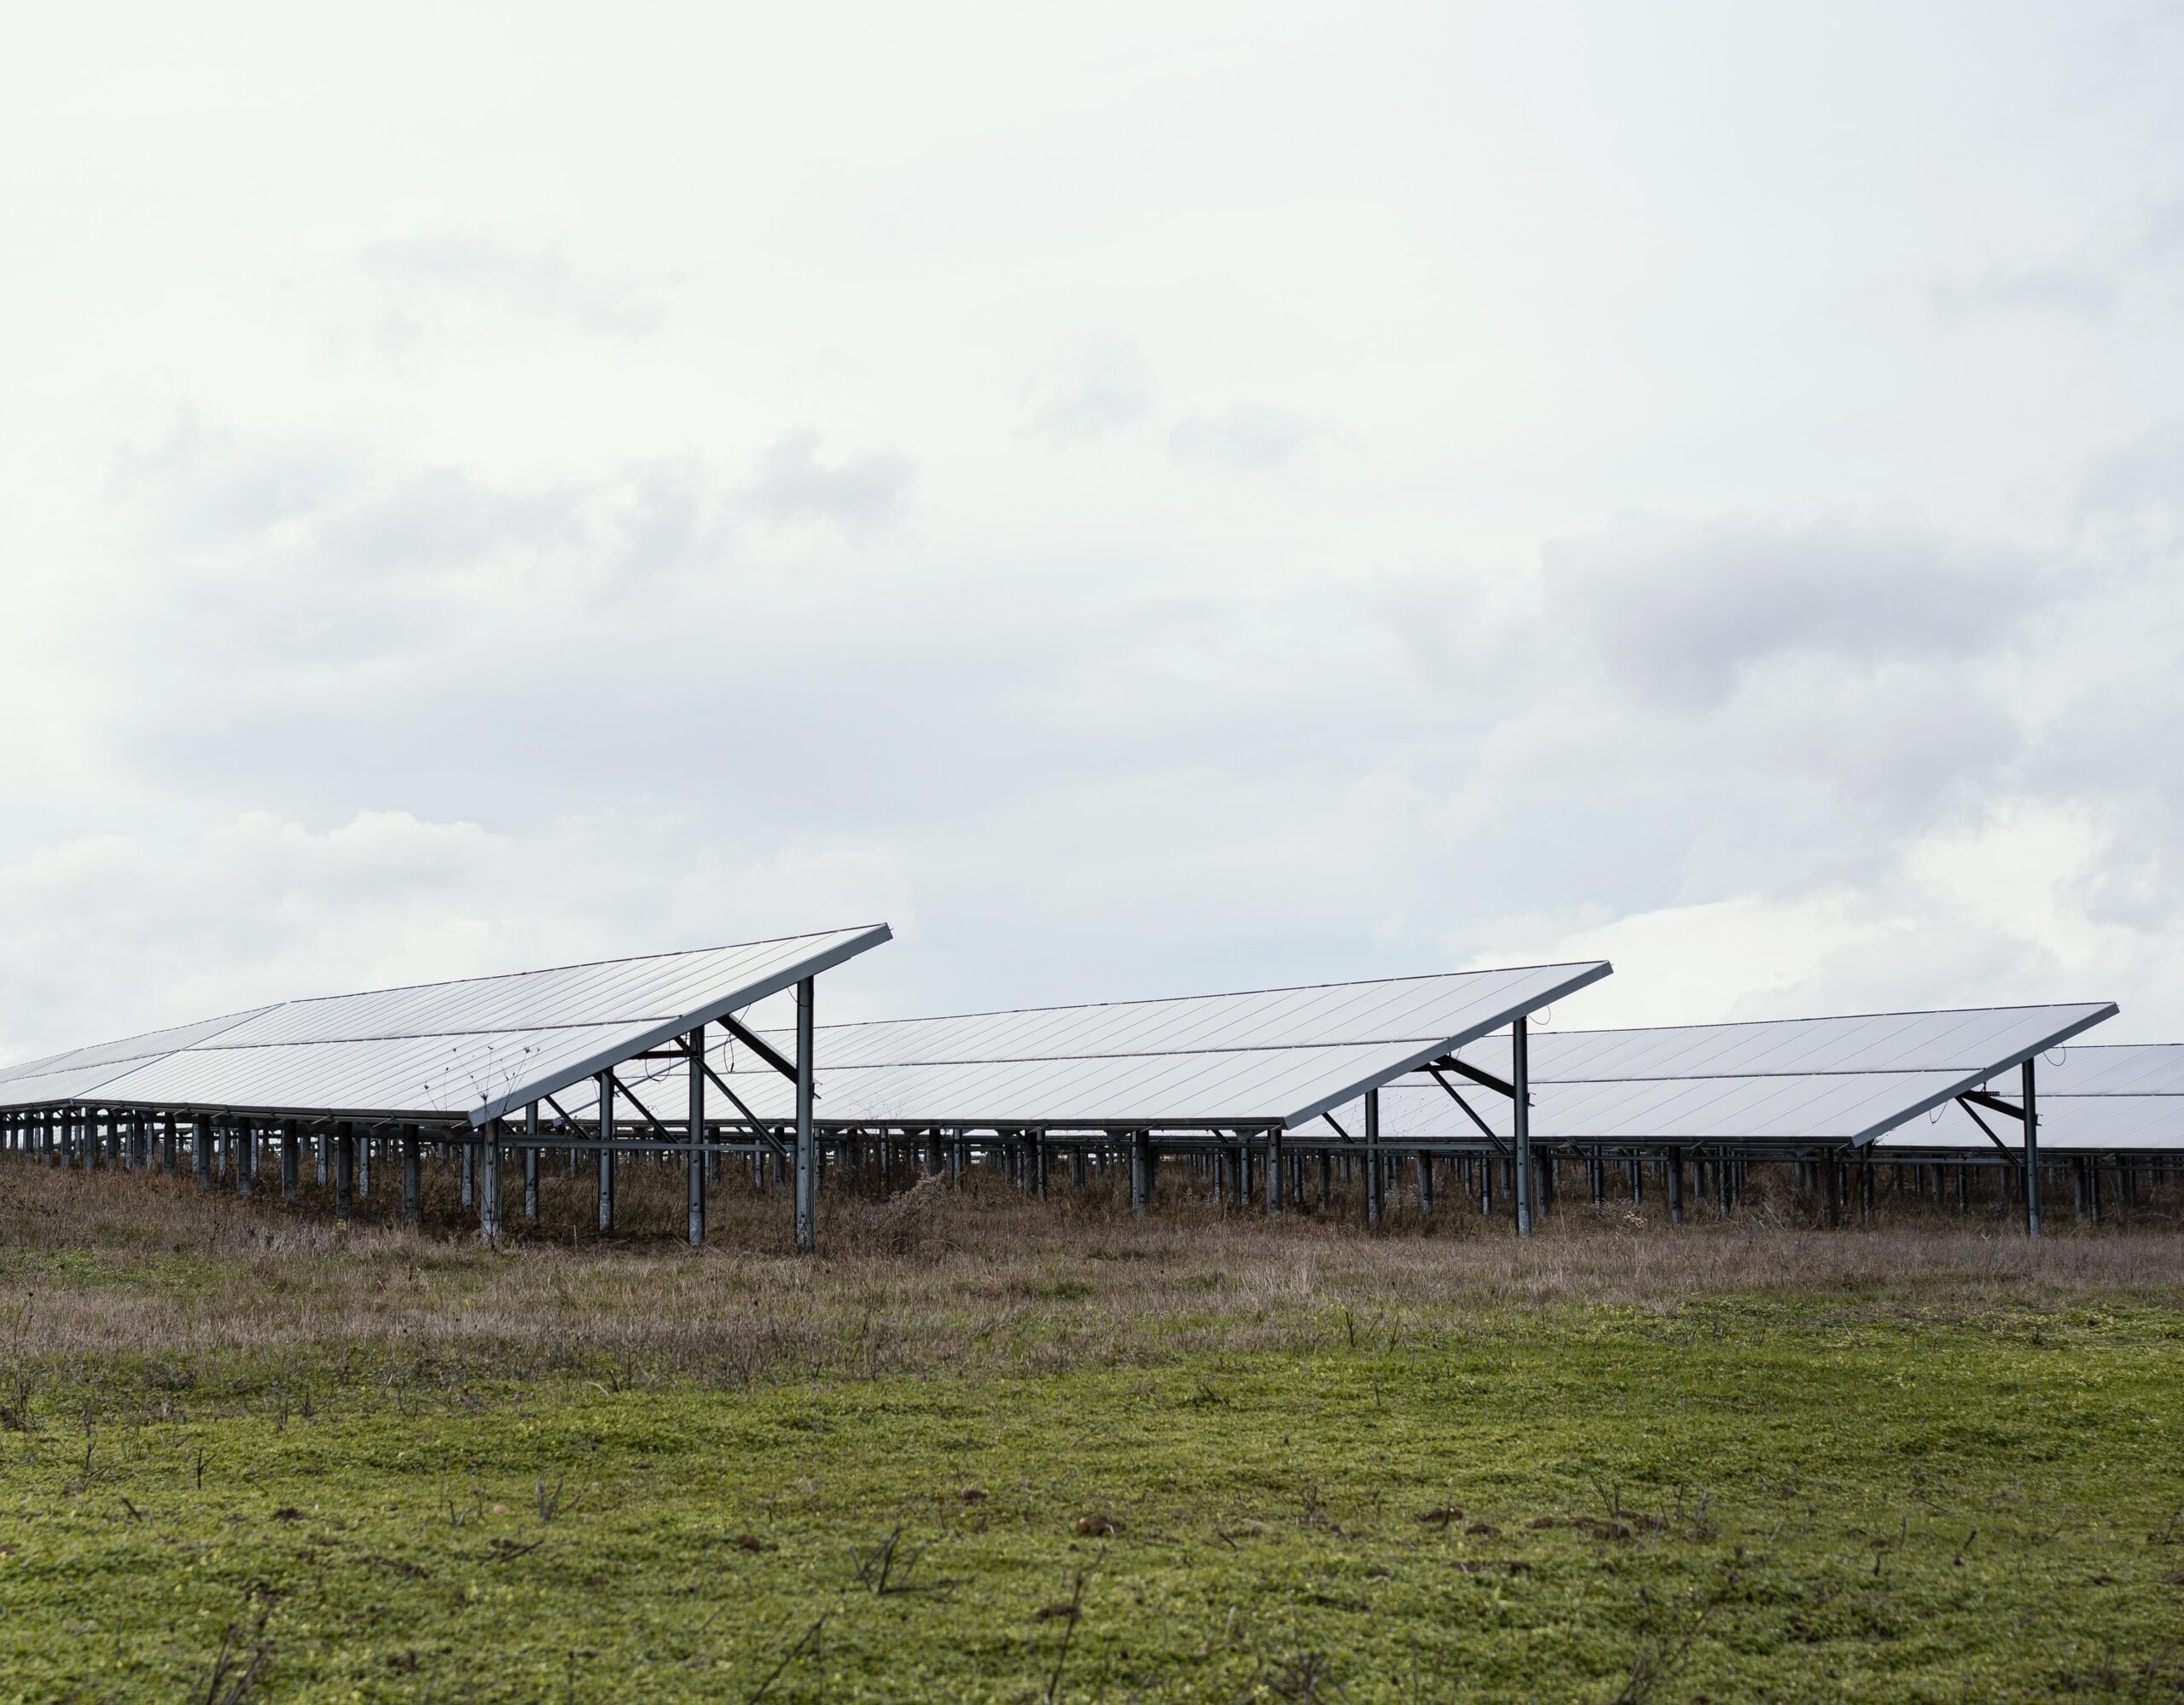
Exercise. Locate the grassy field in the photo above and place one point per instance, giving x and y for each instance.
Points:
(984, 1449)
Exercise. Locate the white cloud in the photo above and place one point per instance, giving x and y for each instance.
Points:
(1686, 610)
(1100, 387)
(2072, 293)
(859, 493)
(1244, 437)
(451, 286)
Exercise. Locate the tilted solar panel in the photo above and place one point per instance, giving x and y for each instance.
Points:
(1845, 1079)
(473, 1047)
(1260, 1057)
(2094, 1098)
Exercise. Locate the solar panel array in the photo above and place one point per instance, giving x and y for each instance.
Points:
(1267, 1057)
(470, 1047)
(480, 1046)
(1843, 1079)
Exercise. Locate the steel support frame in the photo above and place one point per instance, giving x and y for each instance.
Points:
(807, 1147)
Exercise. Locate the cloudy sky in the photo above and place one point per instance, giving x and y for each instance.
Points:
(1143, 499)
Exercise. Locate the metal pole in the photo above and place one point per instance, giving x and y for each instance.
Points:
(1520, 1104)
(1373, 1180)
(345, 1171)
(807, 1155)
(1675, 1187)
(2029, 1096)
(1141, 1172)
(288, 1160)
(530, 1162)
(1275, 1181)
(693, 1189)
(413, 1192)
(606, 1151)
(488, 1192)
(202, 1134)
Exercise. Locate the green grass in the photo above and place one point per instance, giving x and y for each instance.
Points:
(1754, 1496)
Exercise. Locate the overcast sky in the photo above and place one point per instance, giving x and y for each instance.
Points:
(1145, 499)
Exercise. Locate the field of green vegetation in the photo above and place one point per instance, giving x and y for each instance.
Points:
(986, 1449)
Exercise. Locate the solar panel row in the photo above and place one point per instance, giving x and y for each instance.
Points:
(480, 1047)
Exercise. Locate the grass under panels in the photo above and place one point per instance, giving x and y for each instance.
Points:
(984, 1449)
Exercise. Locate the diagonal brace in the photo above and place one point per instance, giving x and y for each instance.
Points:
(2008, 1153)
(758, 1128)
(1472, 1113)
(622, 1089)
(764, 1049)
(1464, 1068)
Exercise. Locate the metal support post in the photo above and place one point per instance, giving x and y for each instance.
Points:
(345, 1171)
(2029, 1096)
(807, 1151)
(201, 1136)
(1373, 1181)
(694, 1186)
(413, 1191)
(1275, 1180)
(288, 1160)
(489, 1186)
(531, 1162)
(1675, 1187)
(605, 1188)
(1520, 1110)
(1141, 1172)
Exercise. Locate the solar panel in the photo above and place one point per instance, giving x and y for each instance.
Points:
(475, 1047)
(1262, 1057)
(1843, 1079)
(110, 1057)
(2094, 1098)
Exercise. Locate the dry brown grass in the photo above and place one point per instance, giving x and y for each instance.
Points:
(192, 1294)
